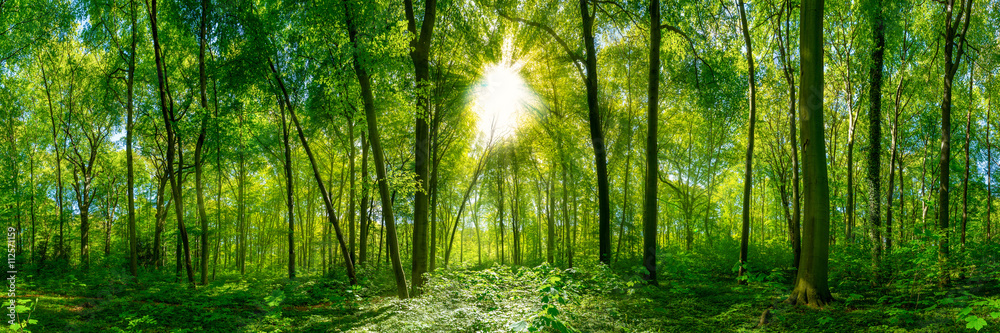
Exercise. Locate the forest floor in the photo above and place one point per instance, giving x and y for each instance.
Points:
(589, 298)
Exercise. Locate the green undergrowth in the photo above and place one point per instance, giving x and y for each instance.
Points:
(698, 292)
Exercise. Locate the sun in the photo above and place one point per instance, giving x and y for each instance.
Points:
(500, 99)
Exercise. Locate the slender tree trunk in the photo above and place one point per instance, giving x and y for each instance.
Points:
(597, 136)
(350, 196)
(989, 181)
(794, 234)
(432, 251)
(748, 175)
(628, 176)
(465, 198)
(290, 191)
(811, 286)
(55, 147)
(348, 262)
(365, 203)
(968, 167)
(129, 107)
(166, 104)
(551, 240)
(376, 144)
(198, 162)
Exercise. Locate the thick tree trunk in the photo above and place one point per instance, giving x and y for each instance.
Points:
(419, 54)
(649, 209)
(951, 63)
(376, 144)
(748, 175)
(811, 286)
(875, 134)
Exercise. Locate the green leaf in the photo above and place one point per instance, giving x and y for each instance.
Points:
(553, 311)
(975, 323)
(32, 321)
(995, 314)
(520, 326)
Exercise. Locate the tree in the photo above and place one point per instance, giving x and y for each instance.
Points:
(811, 286)
(199, 146)
(748, 175)
(420, 54)
(597, 136)
(169, 118)
(875, 131)
(952, 60)
(649, 210)
(364, 80)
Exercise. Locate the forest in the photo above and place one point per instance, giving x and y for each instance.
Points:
(500, 165)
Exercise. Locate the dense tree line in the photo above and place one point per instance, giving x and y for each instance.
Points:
(344, 137)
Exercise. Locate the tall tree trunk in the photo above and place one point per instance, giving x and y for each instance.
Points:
(290, 191)
(199, 186)
(965, 183)
(550, 246)
(875, 133)
(166, 106)
(465, 198)
(951, 63)
(597, 136)
(129, 107)
(628, 176)
(365, 203)
(364, 80)
(649, 209)
(894, 160)
(811, 286)
(55, 147)
(989, 180)
(350, 196)
(748, 175)
(433, 188)
(419, 54)
(348, 262)
(794, 234)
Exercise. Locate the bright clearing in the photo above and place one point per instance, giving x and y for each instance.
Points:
(500, 100)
